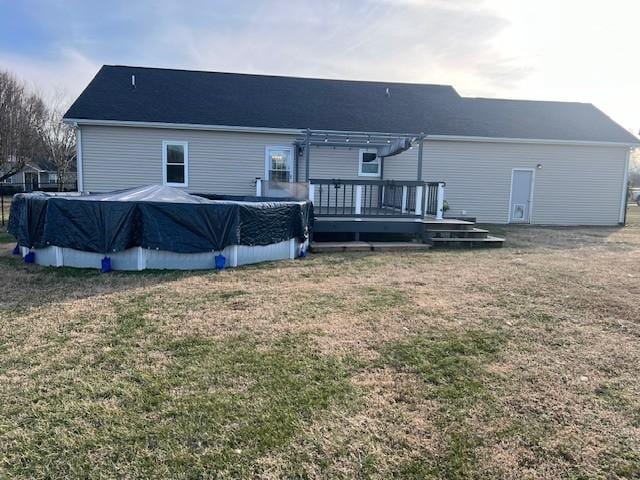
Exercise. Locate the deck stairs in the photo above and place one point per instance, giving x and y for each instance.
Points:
(453, 232)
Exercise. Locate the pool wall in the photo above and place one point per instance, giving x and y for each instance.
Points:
(139, 258)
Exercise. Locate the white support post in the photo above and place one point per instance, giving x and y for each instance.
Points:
(419, 199)
(404, 199)
(233, 257)
(440, 205)
(142, 258)
(312, 192)
(258, 187)
(292, 249)
(358, 200)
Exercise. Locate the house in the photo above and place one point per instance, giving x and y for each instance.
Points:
(40, 175)
(359, 149)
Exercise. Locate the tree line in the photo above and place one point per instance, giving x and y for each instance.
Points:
(32, 130)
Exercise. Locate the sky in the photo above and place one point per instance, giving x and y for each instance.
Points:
(566, 50)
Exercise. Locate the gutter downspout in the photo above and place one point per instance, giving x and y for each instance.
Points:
(622, 219)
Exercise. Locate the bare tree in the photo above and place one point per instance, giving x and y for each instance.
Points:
(21, 117)
(59, 141)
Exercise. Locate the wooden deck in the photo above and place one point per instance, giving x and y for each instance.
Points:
(427, 230)
(387, 209)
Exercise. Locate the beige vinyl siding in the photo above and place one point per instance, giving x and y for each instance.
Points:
(219, 162)
(577, 185)
(403, 166)
(336, 163)
(332, 162)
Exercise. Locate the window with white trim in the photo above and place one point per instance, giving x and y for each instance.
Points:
(175, 163)
(368, 163)
(278, 166)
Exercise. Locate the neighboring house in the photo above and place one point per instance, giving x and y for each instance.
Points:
(40, 175)
(501, 160)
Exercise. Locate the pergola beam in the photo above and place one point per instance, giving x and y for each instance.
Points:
(346, 133)
(316, 137)
(353, 139)
(346, 144)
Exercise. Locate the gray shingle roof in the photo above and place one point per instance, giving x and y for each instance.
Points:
(212, 98)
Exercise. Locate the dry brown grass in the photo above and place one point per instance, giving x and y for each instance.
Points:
(558, 398)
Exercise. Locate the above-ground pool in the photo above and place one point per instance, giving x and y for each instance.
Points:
(158, 227)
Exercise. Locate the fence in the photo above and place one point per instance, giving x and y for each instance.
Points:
(8, 190)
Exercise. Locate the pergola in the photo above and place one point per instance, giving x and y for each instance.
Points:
(358, 197)
(387, 144)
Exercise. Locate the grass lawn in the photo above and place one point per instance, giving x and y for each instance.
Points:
(520, 362)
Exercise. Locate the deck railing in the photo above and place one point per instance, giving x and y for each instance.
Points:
(375, 198)
(434, 201)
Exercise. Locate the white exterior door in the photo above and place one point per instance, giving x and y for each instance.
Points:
(521, 196)
(279, 164)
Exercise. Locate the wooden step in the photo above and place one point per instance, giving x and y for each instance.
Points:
(325, 247)
(447, 221)
(467, 218)
(385, 246)
(456, 230)
(489, 241)
(448, 224)
(457, 233)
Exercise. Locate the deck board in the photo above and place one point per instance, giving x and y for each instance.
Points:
(324, 247)
(444, 221)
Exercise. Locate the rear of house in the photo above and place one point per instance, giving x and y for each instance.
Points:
(500, 161)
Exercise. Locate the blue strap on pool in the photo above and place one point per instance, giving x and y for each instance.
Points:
(220, 261)
(30, 257)
(105, 265)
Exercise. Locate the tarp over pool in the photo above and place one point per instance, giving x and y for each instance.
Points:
(155, 217)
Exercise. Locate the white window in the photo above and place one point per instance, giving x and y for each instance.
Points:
(278, 163)
(175, 163)
(368, 163)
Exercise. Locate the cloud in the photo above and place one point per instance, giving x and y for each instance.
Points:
(403, 41)
(407, 40)
(61, 77)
